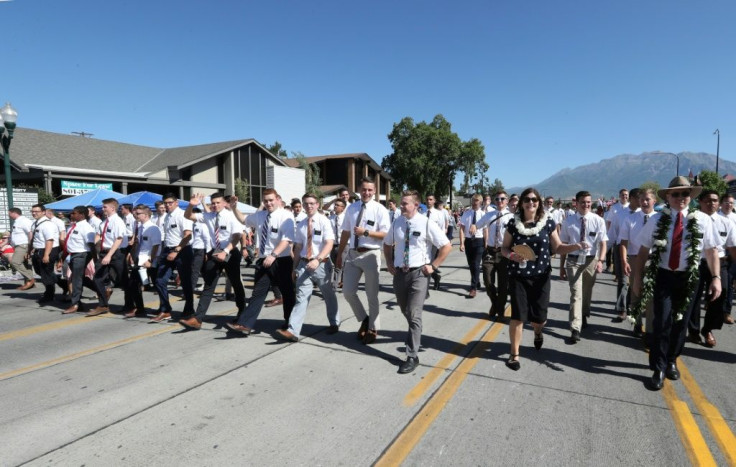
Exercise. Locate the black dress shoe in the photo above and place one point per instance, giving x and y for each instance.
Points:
(638, 331)
(585, 322)
(575, 337)
(409, 365)
(45, 299)
(657, 380)
(333, 329)
(436, 283)
(694, 337)
(672, 372)
(538, 340)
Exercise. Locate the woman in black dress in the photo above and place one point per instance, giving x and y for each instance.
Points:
(529, 281)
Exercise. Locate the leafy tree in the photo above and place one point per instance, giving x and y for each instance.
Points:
(278, 150)
(427, 156)
(712, 181)
(242, 190)
(497, 186)
(312, 181)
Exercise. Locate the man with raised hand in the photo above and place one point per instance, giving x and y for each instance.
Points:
(222, 253)
(274, 226)
(365, 225)
(312, 267)
(407, 247)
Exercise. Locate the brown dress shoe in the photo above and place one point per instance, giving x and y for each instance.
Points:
(28, 285)
(191, 323)
(363, 329)
(472, 293)
(100, 310)
(161, 317)
(286, 335)
(710, 341)
(728, 319)
(235, 327)
(70, 310)
(274, 302)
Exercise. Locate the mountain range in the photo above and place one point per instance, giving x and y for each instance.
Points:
(607, 177)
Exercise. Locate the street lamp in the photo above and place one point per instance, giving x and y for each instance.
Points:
(8, 117)
(718, 147)
(677, 172)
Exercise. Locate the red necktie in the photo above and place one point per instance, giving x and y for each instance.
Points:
(309, 238)
(104, 230)
(676, 243)
(582, 229)
(69, 234)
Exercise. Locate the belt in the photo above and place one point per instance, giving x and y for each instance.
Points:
(363, 249)
(78, 252)
(306, 260)
(578, 256)
(400, 268)
(494, 248)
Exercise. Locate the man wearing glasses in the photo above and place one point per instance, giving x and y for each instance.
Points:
(672, 276)
(142, 256)
(581, 267)
(176, 254)
(495, 265)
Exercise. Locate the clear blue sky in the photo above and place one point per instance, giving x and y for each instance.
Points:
(543, 84)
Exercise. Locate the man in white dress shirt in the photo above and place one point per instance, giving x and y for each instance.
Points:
(672, 277)
(580, 268)
(365, 225)
(407, 247)
(312, 267)
(44, 250)
(145, 248)
(110, 267)
(78, 251)
(727, 211)
(495, 265)
(20, 238)
(472, 243)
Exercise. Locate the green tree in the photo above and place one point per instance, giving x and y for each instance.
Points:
(242, 190)
(427, 156)
(312, 180)
(277, 149)
(712, 181)
(497, 186)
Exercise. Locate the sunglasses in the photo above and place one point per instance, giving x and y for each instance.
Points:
(528, 199)
(680, 194)
(500, 199)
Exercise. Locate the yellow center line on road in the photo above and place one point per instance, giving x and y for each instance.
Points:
(692, 439)
(439, 369)
(716, 423)
(404, 444)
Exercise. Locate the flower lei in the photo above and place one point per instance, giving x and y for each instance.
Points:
(660, 245)
(522, 229)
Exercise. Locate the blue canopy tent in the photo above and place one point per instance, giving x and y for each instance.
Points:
(91, 198)
(148, 198)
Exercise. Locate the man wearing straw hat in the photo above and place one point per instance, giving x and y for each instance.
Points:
(677, 240)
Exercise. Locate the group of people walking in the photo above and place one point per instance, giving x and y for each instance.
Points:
(665, 260)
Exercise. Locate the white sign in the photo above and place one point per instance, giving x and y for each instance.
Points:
(23, 198)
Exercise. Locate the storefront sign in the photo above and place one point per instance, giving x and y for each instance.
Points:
(79, 188)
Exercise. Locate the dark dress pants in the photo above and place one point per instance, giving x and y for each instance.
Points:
(103, 274)
(496, 279)
(183, 264)
(278, 273)
(713, 309)
(474, 254)
(134, 293)
(198, 260)
(670, 290)
(46, 270)
(78, 265)
(211, 273)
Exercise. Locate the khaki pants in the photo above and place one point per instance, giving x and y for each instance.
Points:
(581, 278)
(356, 265)
(19, 263)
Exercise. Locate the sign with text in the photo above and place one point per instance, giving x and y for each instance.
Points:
(23, 198)
(79, 188)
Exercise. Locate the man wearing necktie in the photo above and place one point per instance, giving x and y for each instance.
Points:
(223, 235)
(110, 267)
(365, 225)
(79, 250)
(495, 265)
(629, 244)
(407, 248)
(147, 241)
(472, 241)
(672, 276)
(588, 230)
(312, 267)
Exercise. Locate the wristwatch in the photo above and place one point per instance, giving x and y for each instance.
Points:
(366, 233)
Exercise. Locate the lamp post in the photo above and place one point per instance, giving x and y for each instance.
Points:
(8, 117)
(718, 146)
(677, 172)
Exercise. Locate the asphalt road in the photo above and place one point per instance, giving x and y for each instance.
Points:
(109, 391)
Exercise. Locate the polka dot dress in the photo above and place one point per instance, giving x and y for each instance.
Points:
(540, 243)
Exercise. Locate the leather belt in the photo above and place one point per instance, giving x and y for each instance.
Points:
(363, 249)
(310, 259)
(578, 256)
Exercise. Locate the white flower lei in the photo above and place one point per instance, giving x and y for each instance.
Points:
(529, 232)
